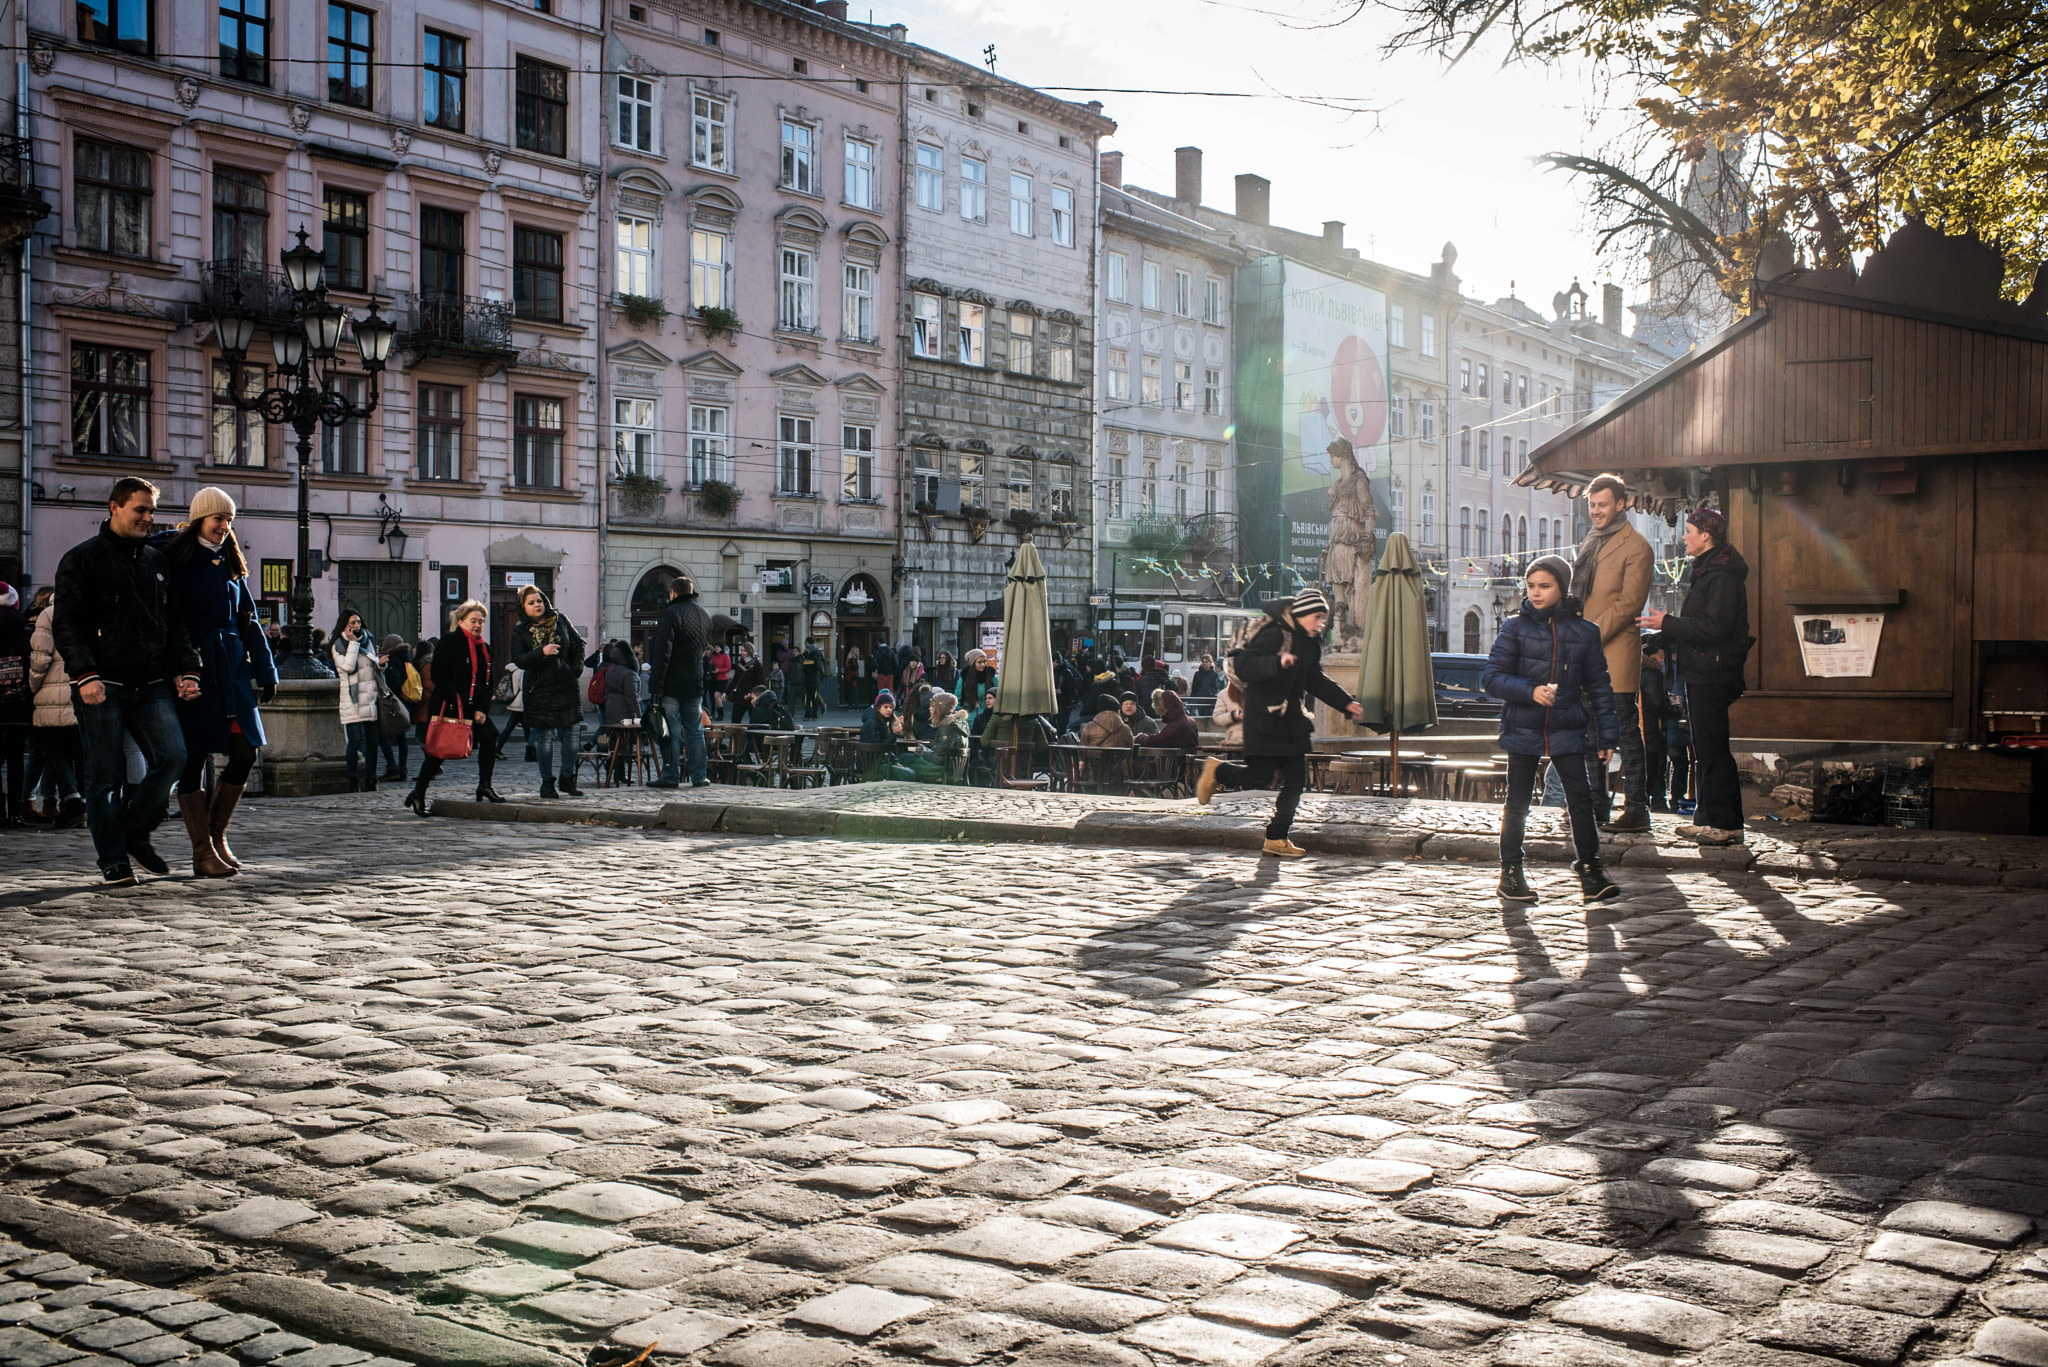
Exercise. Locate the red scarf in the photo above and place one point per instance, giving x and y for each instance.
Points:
(479, 670)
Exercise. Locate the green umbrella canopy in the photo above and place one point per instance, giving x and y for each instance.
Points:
(1025, 685)
(1396, 685)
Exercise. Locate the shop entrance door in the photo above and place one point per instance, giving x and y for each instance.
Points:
(505, 586)
(386, 593)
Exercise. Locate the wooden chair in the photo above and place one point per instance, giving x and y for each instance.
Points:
(1158, 772)
(871, 763)
(721, 755)
(1099, 769)
(1019, 767)
(806, 770)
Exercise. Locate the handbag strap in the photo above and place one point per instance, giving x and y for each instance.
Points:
(474, 665)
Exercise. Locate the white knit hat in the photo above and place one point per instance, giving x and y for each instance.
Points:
(211, 502)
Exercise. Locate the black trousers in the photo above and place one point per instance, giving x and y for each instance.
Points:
(483, 745)
(241, 759)
(1578, 800)
(1632, 779)
(1258, 771)
(1718, 782)
(1681, 771)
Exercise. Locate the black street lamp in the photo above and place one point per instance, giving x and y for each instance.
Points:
(305, 397)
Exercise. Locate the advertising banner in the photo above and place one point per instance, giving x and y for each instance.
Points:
(1333, 384)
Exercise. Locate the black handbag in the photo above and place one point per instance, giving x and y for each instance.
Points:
(394, 718)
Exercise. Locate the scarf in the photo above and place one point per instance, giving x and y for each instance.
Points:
(1588, 560)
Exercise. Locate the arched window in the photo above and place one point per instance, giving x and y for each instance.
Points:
(1507, 535)
(1483, 527)
(1464, 531)
(1465, 447)
(649, 601)
(1542, 534)
(1472, 632)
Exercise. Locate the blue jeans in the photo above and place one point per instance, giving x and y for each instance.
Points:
(120, 820)
(684, 720)
(362, 740)
(545, 742)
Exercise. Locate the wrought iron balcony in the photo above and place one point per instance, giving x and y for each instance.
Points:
(457, 325)
(260, 291)
(21, 206)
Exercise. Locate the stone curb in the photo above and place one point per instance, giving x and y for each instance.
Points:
(344, 1317)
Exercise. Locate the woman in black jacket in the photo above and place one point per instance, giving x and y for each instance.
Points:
(546, 647)
(462, 687)
(1710, 637)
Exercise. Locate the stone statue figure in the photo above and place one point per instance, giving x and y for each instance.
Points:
(1353, 522)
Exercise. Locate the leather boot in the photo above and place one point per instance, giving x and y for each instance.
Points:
(225, 796)
(205, 863)
(1594, 884)
(1634, 818)
(1514, 886)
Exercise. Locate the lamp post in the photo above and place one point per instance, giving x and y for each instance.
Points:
(304, 398)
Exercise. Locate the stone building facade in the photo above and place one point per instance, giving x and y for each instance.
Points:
(445, 156)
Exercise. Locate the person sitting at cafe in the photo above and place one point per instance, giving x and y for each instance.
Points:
(1175, 728)
(946, 760)
(1135, 716)
(1107, 729)
(767, 710)
(878, 723)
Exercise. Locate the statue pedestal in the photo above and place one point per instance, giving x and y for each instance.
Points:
(1343, 667)
(306, 753)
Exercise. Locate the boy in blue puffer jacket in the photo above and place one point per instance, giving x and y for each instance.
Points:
(1549, 672)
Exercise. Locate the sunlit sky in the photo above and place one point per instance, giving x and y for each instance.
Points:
(1448, 159)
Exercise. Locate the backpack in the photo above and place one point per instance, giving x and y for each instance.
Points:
(414, 689)
(596, 690)
(1239, 641)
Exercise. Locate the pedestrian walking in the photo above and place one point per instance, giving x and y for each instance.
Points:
(1280, 665)
(1709, 634)
(17, 706)
(405, 684)
(210, 581)
(356, 665)
(122, 635)
(1611, 576)
(462, 689)
(54, 731)
(721, 678)
(423, 662)
(547, 651)
(1207, 681)
(1550, 673)
(882, 667)
(676, 681)
(749, 676)
(811, 672)
(1175, 729)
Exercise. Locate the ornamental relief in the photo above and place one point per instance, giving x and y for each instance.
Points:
(631, 377)
(803, 399)
(867, 408)
(703, 387)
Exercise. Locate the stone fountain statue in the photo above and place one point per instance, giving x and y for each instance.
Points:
(1347, 565)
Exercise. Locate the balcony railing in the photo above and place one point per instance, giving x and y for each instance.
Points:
(441, 323)
(21, 207)
(260, 291)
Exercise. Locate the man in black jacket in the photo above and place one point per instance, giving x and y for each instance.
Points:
(1710, 637)
(122, 635)
(676, 679)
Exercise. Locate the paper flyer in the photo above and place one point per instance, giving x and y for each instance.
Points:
(1839, 645)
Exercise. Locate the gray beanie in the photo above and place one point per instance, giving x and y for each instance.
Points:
(1555, 566)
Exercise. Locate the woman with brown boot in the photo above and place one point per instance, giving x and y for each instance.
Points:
(210, 579)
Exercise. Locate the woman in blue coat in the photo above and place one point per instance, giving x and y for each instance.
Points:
(236, 672)
(1549, 672)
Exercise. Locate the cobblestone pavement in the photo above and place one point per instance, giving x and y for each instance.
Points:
(501, 1094)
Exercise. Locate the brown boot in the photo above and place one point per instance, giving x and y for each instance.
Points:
(205, 863)
(225, 796)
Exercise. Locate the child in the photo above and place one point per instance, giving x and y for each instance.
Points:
(1547, 668)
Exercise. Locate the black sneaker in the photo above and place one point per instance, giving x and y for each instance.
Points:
(1594, 884)
(663, 783)
(142, 854)
(1514, 886)
(700, 783)
(119, 876)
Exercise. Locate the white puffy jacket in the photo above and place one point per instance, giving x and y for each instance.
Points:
(356, 663)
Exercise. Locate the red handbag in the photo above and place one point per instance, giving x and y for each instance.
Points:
(449, 738)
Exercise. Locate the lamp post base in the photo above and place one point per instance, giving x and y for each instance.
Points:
(305, 756)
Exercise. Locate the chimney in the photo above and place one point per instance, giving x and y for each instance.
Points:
(833, 9)
(1255, 199)
(1112, 169)
(1187, 175)
(1610, 307)
(1333, 236)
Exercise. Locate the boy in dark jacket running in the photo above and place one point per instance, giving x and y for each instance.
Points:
(1549, 672)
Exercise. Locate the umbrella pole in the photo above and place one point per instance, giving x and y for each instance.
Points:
(1394, 746)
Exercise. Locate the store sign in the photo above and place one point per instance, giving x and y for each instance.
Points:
(515, 579)
(821, 624)
(778, 580)
(991, 642)
(1839, 645)
(277, 578)
(819, 590)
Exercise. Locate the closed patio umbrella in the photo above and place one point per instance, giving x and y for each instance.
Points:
(1025, 687)
(1396, 686)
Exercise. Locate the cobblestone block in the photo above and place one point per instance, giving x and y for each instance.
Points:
(1089, 1212)
(1157, 1272)
(929, 1274)
(1719, 1285)
(1942, 1256)
(678, 1332)
(257, 1218)
(2011, 1341)
(778, 1348)
(859, 1311)
(960, 1339)
(109, 1334)
(1206, 1341)
(1023, 1243)
(1772, 1252)
(1080, 1308)
(1882, 1286)
(552, 1241)
(508, 1280)
(593, 1309)
(1632, 1315)
(269, 1347)
(1490, 1288)
(1842, 1331)
(1229, 1236)
(227, 1330)
(1561, 1350)
(1970, 1224)
(1552, 1256)
(609, 1202)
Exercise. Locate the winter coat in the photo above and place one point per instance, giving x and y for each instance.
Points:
(1276, 719)
(721, 669)
(234, 655)
(621, 687)
(1107, 729)
(1556, 645)
(1230, 716)
(747, 675)
(423, 710)
(1208, 683)
(1656, 699)
(550, 690)
(1621, 585)
(944, 675)
(47, 677)
(356, 662)
(461, 677)
(1710, 633)
(811, 669)
(675, 659)
(1176, 728)
(117, 619)
(875, 729)
(1150, 682)
(883, 661)
(396, 662)
(951, 736)
(20, 708)
(1139, 720)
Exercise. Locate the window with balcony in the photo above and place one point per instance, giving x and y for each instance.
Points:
(799, 157)
(438, 419)
(799, 291)
(441, 254)
(633, 250)
(536, 441)
(1020, 205)
(1062, 216)
(237, 438)
(973, 190)
(633, 434)
(244, 40)
(924, 325)
(537, 275)
(540, 107)
(797, 459)
(860, 174)
(110, 198)
(710, 132)
(351, 53)
(859, 321)
(710, 444)
(444, 81)
(931, 178)
(709, 253)
(857, 449)
(345, 450)
(241, 217)
(345, 238)
(1059, 355)
(633, 114)
(971, 336)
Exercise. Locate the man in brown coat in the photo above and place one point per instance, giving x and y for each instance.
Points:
(1612, 579)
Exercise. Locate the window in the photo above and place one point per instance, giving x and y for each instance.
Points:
(237, 436)
(1062, 216)
(860, 174)
(1397, 416)
(857, 449)
(1116, 486)
(345, 450)
(1479, 529)
(1060, 494)
(536, 441)
(1020, 205)
(799, 291)
(110, 198)
(1212, 300)
(1464, 531)
(1507, 534)
(1059, 359)
(351, 52)
(970, 334)
(1023, 331)
(1183, 294)
(540, 108)
(123, 24)
(1428, 515)
(537, 274)
(1465, 447)
(635, 106)
(1114, 282)
(1522, 456)
(710, 445)
(1482, 382)
(1212, 393)
(1148, 285)
(1543, 400)
(1429, 422)
(1521, 391)
(241, 217)
(1148, 489)
(710, 37)
(1429, 334)
(924, 478)
(708, 251)
(1184, 386)
(440, 253)
(444, 79)
(1148, 381)
(796, 468)
(970, 481)
(1542, 534)
(1183, 476)
(635, 255)
(1472, 632)
(931, 179)
(1212, 491)
(1400, 506)
(633, 436)
(244, 40)
(709, 143)
(1397, 325)
(924, 325)
(973, 190)
(1464, 377)
(439, 412)
(1522, 536)
(1485, 444)
(799, 157)
(860, 302)
(1118, 377)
